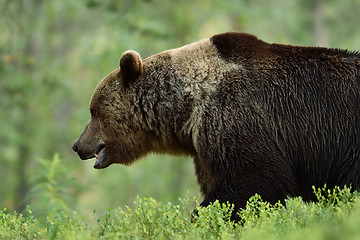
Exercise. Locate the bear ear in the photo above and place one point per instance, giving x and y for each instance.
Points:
(130, 66)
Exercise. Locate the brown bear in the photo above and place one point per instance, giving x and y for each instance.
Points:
(256, 117)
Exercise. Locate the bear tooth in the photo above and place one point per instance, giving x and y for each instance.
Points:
(97, 156)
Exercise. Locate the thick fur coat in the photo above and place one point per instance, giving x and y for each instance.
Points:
(256, 117)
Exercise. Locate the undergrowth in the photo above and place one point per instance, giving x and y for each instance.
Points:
(336, 215)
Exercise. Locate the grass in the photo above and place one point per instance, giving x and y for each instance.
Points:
(335, 216)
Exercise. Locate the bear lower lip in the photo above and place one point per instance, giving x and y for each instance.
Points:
(100, 159)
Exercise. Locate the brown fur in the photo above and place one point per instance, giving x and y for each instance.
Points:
(256, 117)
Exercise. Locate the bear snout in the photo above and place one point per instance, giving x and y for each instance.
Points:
(84, 151)
(75, 147)
(87, 150)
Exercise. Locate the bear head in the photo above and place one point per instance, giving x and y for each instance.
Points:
(113, 134)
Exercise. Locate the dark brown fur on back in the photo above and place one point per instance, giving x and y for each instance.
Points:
(289, 120)
(248, 49)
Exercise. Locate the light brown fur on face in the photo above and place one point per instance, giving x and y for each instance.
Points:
(120, 126)
(111, 116)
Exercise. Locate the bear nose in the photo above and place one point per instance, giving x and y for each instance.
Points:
(75, 147)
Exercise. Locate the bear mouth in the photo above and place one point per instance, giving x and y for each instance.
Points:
(101, 156)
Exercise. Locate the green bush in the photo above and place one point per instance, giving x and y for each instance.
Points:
(50, 196)
(336, 215)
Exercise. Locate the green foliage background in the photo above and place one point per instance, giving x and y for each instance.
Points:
(52, 55)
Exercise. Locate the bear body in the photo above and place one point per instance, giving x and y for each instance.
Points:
(256, 117)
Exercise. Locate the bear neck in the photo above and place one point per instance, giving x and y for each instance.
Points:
(163, 108)
(175, 86)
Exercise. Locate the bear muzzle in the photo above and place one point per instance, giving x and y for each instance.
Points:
(100, 154)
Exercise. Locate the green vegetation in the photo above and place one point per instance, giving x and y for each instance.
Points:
(335, 216)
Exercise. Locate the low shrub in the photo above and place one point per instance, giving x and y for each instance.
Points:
(336, 215)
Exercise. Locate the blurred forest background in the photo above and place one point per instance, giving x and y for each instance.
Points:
(53, 53)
